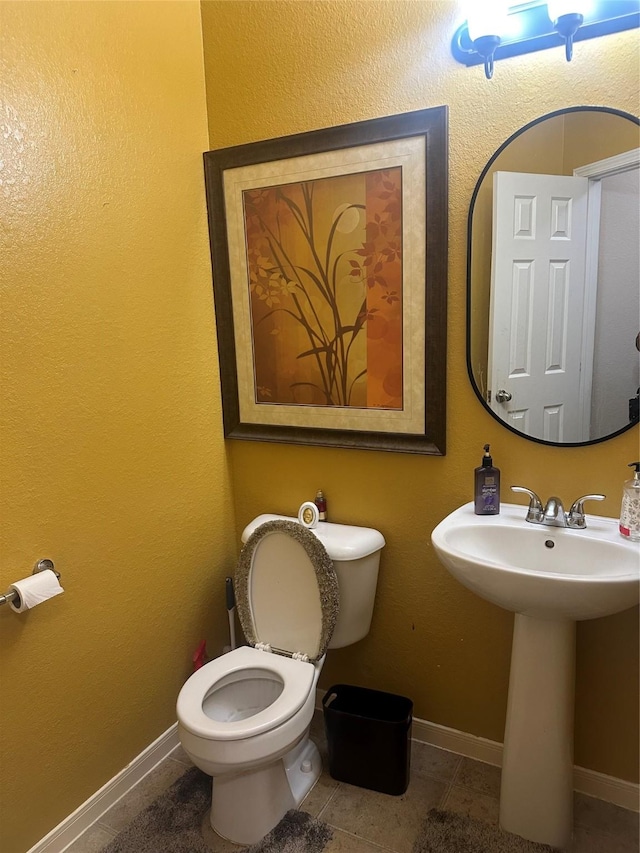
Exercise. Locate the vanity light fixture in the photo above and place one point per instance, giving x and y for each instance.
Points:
(537, 25)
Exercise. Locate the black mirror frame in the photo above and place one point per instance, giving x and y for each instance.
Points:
(483, 174)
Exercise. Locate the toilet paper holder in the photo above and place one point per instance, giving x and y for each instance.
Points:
(40, 566)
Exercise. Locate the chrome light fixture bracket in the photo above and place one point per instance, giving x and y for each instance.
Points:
(535, 31)
(486, 46)
(567, 26)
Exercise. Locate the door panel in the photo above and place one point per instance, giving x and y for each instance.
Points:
(537, 302)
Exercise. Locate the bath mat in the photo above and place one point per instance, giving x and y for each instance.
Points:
(172, 824)
(448, 832)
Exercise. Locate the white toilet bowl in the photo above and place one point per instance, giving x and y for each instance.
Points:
(244, 718)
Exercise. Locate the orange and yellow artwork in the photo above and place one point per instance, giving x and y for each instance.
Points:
(324, 260)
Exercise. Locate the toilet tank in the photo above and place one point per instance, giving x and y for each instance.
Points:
(355, 552)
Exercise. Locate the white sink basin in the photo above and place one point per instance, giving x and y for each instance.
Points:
(547, 572)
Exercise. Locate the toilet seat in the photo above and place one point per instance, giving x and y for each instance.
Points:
(297, 679)
(287, 590)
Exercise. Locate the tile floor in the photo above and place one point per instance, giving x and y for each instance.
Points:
(368, 822)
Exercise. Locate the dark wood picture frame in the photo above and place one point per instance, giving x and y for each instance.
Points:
(427, 128)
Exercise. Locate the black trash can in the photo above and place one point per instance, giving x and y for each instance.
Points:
(368, 737)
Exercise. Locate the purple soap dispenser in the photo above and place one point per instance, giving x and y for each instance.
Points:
(487, 486)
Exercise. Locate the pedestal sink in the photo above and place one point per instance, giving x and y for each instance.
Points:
(550, 577)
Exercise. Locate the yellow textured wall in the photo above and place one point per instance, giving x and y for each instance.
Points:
(113, 462)
(278, 68)
(579, 149)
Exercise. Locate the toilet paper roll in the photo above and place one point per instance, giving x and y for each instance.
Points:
(34, 590)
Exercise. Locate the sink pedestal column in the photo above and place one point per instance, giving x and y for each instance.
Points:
(536, 798)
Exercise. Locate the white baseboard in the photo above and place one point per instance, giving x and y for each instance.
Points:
(590, 782)
(92, 810)
(602, 787)
(471, 746)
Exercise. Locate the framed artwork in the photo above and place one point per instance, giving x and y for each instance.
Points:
(329, 253)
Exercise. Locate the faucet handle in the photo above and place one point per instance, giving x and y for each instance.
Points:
(535, 510)
(575, 516)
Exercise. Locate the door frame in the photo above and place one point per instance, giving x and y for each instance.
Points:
(595, 172)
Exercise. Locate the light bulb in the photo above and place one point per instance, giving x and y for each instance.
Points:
(487, 19)
(557, 8)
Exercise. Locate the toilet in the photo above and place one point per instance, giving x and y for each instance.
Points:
(244, 717)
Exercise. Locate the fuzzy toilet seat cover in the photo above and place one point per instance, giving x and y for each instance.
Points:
(324, 571)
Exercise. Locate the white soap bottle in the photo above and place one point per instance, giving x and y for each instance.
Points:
(630, 511)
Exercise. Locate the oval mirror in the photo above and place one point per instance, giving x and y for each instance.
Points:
(553, 278)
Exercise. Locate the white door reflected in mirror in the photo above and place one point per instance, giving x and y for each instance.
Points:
(536, 324)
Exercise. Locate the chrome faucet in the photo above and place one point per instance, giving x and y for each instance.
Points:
(553, 514)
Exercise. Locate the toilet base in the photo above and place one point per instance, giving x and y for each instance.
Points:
(245, 808)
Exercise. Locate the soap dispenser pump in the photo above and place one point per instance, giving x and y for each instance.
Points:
(487, 486)
(630, 511)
